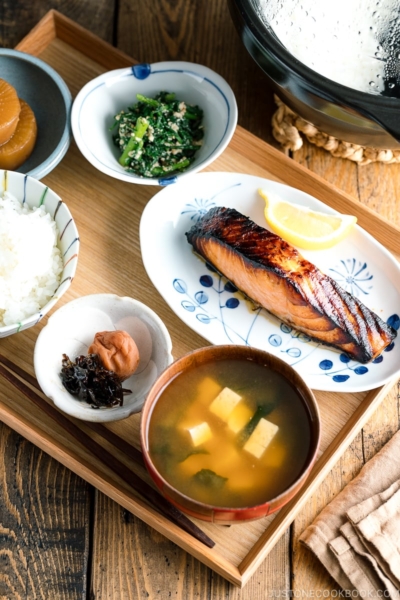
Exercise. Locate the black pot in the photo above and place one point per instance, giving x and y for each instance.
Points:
(350, 115)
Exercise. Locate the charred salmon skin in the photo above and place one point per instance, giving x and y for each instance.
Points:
(277, 277)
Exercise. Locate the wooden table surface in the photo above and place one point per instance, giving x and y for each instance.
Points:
(59, 537)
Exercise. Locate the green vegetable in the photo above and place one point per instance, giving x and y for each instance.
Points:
(192, 452)
(146, 100)
(135, 142)
(179, 166)
(208, 478)
(158, 136)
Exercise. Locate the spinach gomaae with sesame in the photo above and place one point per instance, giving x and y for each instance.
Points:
(158, 136)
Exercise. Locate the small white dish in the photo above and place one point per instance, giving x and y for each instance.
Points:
(105, 96)
(209, 304)
(71, 330)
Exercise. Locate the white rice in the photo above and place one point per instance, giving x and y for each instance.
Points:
(30, 262)
(353, 42)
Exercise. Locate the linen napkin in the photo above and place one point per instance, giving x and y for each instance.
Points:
(333, 538)
(365, 566)
(363, 574)
(380, 532)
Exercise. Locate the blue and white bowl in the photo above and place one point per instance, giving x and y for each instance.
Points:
(33, 193)
(102, 98)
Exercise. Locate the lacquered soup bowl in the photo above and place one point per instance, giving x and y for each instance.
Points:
(218, 514)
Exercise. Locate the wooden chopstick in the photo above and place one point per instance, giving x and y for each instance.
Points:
(119, 443)
(20, 372)
(130, 451)
(145, 490)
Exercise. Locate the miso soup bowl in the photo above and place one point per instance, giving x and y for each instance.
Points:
(218, 514)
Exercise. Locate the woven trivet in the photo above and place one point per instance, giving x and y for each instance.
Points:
(286, 128)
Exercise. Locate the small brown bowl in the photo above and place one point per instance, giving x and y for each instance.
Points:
(217, 514)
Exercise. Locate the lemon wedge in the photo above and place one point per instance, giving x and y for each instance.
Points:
(304, 227)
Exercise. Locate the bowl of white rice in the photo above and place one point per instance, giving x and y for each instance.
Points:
(39, 246)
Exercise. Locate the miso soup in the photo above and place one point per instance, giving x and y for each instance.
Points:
(230, 433)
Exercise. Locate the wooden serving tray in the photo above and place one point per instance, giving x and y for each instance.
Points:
(107, 213)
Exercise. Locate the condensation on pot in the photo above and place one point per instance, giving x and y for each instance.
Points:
(352, 42)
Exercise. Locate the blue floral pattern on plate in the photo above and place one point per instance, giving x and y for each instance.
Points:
(296, 345)
(353, 275)
(208, 303)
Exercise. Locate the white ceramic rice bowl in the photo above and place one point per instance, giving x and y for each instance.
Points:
(34, 193)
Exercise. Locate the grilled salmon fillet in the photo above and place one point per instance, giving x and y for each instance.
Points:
(277, 277)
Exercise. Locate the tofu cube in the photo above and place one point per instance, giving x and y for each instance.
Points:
(224, 403)
(200, 433)
(239, 417)
(260, 438)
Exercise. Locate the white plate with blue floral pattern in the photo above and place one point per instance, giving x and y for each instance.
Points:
(209, 304)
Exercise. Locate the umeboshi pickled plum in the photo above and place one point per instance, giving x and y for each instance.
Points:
(10, 109)
(15, 152)
(117, 352)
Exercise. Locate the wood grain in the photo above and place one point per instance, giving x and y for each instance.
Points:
(376, 186)
(18, 18)
(241, 549)
(44, 530)
(200, 31)
(45, 509)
